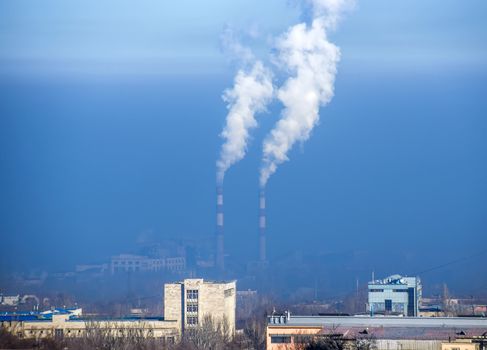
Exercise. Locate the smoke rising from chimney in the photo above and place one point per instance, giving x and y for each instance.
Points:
(305, 51)
(251, 92)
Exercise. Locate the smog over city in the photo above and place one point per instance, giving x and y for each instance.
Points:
(174, 169)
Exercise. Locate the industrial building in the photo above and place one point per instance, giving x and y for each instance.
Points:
(186, 304)
(189, 301)
(139, 263)
(61, 323)
(387, 332)
(395, 295)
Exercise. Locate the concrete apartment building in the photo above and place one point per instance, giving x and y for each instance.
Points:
(189, 301)
(395, 295)
(388, 332)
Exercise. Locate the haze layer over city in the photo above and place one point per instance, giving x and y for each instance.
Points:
(111, 119)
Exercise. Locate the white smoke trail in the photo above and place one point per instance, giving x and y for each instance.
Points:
(306, 52)
(250, 94)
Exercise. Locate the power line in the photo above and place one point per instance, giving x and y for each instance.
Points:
(450, 263)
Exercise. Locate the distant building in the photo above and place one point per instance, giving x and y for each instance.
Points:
(387, 332)
(189, 301)
(247, 302)
(176, 264)
(91, 268)
(9, 300)
(395, 295)
(139, 263)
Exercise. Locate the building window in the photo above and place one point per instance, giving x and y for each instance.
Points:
(192, 321)
(192, 294)
(192, 308)
(229, 292)
(58, 333)
(303, 339)
(280, 339)
(376, 290)
(400, 290)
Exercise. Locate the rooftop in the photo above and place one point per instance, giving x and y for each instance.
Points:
(387, 327)
(382, 321)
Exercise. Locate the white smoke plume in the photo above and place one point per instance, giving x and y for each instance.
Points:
(305, 51)
(251, 92)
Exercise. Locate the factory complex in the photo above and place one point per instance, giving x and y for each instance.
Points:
(186, 304)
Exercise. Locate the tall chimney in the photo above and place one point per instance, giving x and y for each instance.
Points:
(262, 225)
(219, 259)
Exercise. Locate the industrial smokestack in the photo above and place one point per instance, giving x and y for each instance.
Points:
(262, 226)
(219, 259)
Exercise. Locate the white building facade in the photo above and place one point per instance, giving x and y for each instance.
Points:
(395, 295)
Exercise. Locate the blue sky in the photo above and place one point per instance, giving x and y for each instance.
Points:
(110, 113)
(157, 37)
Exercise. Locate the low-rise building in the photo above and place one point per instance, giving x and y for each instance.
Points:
(466, 343)
(61, 325)
(186, 305)
(387, 332)
(139, 263)
(135, 263)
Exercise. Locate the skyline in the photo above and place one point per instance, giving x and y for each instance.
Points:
(111, 115)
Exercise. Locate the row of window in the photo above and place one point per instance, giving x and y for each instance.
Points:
(298, 339)
(126, 262)
(192, 308)
(192, 294)
(279, 339)
(192, 320)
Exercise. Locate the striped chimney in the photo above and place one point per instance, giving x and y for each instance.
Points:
(262, 226)
(219, 260)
